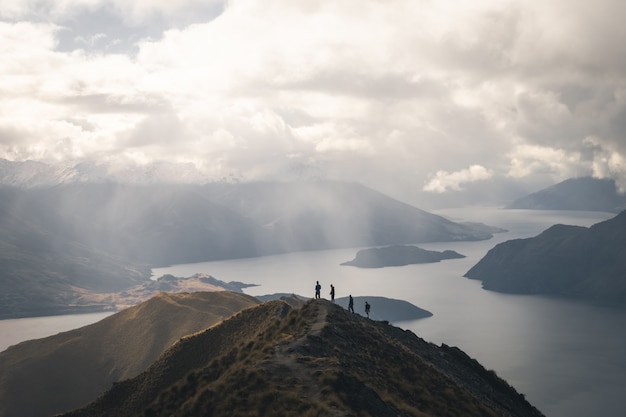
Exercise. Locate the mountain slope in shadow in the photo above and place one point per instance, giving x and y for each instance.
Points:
(572, 261)
(318, 359)
(54, 374)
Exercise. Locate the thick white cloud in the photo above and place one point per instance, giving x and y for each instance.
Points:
(394, 94)
(443, 181)
(531, 159)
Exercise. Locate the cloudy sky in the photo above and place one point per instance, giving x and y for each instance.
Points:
(409, 97)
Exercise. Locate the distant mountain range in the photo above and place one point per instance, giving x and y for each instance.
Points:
(277, 358)
(32, 174)
(59, 242)
(586, 193)
(573, 261)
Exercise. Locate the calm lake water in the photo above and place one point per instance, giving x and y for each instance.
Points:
(13, 331)
(568, 358)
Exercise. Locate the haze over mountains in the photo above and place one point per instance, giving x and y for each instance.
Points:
(64, 241)
(30, 174)
(586, 193)
(59, 242)
(67, 232)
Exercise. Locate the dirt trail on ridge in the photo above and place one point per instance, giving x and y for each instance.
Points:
(288, 360)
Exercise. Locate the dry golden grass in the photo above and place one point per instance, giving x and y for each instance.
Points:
(317, 360)
(70, 369)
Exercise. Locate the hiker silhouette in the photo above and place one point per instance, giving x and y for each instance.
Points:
(332, 293)
(367, 309)
(318, 288)
(351, 304)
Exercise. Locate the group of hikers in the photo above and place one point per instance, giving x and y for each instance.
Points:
(318, 291)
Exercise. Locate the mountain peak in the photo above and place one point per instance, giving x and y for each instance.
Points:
(317, 359)
(584, 193)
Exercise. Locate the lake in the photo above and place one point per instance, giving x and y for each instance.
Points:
(568, 358)
(13, 331)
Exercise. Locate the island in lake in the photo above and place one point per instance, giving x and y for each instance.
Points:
(383, 308)
(399, 255)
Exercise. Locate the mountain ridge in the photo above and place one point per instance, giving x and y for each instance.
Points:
(69, 369)
(318, 359)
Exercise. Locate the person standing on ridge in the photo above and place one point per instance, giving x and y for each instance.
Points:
(318, 288)
(351, 304)
(367, 309)
(332, 293)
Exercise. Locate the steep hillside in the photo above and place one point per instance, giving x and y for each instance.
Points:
(586, 263)
(588, 194)
(65, 371)
(316, 360)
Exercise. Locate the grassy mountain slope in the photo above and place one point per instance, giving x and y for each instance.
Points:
(587, 263)
(316, 360)
(46, 376)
